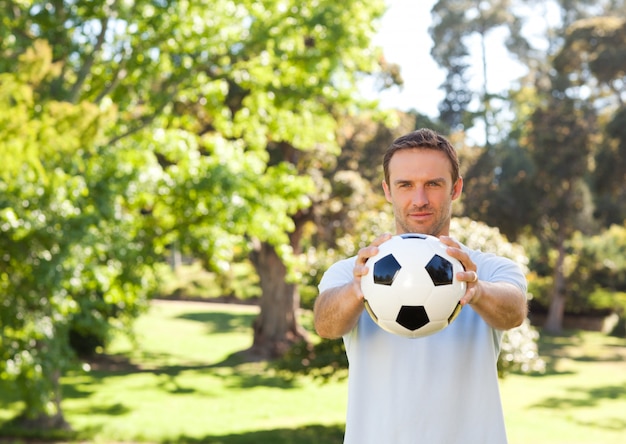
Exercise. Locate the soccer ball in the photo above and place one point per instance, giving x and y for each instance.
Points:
(411, 288)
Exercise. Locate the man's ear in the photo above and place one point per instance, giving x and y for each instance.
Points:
(386, 190)
(457, 188)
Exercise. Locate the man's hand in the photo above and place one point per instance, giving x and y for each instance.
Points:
(363, 255)
(469, 276)
(502, 305)
(337, 309)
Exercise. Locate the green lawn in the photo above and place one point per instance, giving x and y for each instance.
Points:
(184, 383)
(580, 399)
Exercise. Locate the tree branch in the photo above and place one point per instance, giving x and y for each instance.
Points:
(89, 61)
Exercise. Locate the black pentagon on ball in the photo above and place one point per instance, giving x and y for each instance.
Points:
(412, 317)
(440, 270)
(413, 236)
(386, 270)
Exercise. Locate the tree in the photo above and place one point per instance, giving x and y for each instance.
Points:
(561, 148)
(565, 133)
(72, 258)
(449, 53)
(593, 58)
(311, 96)
(206, 112)
(568, 112)
(454, 22)
(611, 163)
(497, 185)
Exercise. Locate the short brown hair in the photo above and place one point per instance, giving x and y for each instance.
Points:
(427, 139)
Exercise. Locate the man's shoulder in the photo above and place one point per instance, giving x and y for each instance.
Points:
(486, 258)
(347, 262)
(338, 273)
(496, 268)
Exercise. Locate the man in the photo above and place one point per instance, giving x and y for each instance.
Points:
(443, 388)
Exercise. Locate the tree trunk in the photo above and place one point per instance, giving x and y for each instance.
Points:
(554, 320)
(276, 328)
(485, 94)
(37, 418)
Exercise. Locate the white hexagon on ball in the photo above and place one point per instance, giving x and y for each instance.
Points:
(411, 288)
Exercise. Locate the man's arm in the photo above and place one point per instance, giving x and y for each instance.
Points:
(337, 310)
(502, 305)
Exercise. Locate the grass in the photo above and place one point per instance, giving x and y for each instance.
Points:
(184, 383)
(580, 399)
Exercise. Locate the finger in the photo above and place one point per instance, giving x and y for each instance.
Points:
(360, 271)
(371, 250)
(468, 296)
(469, 276)
(380, 239)
(455, 250)
(449, 241)
(365, 253)
(464, 258)
(473, 277)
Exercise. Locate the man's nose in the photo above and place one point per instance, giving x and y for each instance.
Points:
(419, 198)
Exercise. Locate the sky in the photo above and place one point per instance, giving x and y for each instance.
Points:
(405, 40)
(404, 37)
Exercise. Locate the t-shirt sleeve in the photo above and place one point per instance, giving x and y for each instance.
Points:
(338, 274)
(494, 268)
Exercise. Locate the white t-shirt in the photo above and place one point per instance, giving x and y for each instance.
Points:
(439, 389)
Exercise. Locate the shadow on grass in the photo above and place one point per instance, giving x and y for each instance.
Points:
(570, 345)
(115, 409)
(616, 424)
(584, 398)
(310, 434)
(221, 322)
(259, 375)
(236, 370)
(556, 344)
(591, 398)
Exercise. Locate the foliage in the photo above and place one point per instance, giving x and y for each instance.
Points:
(325, 360)
(595, 47)
(519, 352)
(557, 166)
(73, 260)
(151, 127)
(596, 274)
(455, 22)
(496, 187)
(242, 76)
(478, 236)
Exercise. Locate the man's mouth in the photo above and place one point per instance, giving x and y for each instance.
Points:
(418, 215)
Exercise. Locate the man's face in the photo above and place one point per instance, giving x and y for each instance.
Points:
(421, 191)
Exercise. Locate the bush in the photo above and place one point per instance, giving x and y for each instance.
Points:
(595, 269)
(519, 352)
